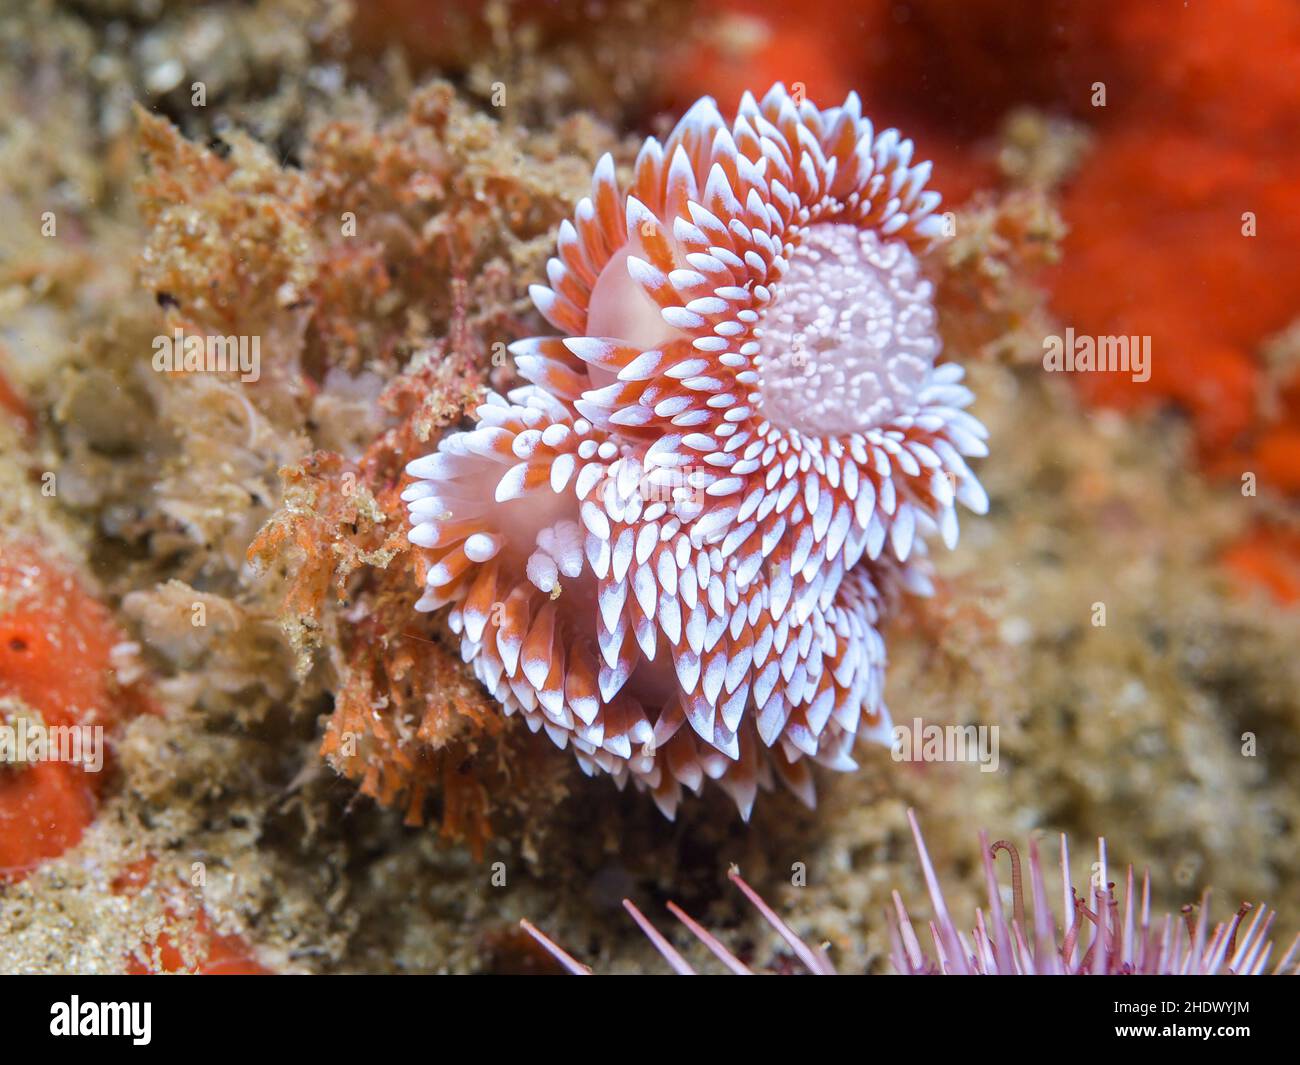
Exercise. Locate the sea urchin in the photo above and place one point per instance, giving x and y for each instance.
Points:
(672, 548)
(1096, 938)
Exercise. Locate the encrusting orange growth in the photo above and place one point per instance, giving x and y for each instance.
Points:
(44, 809)
(188, 946)
(1267, 558)
(1189, 197)
(13, 404)
(56, 666)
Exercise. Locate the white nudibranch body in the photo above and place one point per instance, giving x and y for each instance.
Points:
(671, 549)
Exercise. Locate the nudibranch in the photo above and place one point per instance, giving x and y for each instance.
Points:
(671, 549)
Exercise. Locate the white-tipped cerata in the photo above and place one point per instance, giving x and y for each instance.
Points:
(671, 549)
